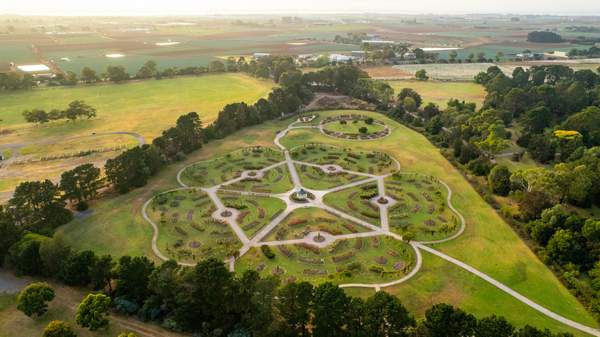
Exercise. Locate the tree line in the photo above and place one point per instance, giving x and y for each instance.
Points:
(75, 110)
(209, 300)
(557, 111)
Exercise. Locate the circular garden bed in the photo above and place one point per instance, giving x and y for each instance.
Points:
(354, 127)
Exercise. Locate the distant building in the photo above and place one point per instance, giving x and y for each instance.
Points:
(260, 55)
(409, 56)
(36, 70)
(378, 42)
(530, 56)
(339, 58)
(556, 55)
(359, 55)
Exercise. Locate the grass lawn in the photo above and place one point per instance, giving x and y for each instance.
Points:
(145, 107)
(440, 92)
(64, 306)
(353, 128)
(488, 244)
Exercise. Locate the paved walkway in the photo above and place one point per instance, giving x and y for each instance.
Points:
(382, 230)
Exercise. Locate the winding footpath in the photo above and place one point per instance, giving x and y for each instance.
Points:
(417, 246)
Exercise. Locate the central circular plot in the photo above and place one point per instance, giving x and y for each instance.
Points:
(302, 196)
(383, 200)
(357, 127)
(226, 214)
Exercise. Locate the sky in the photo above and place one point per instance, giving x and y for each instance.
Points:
(196, 7)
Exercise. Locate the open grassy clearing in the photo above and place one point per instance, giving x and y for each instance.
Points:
(467, 291)
(64, 306)
(145, 107)
(371, 162)
(255, 212)
(230, 166)
(306, 220)
(78, 144)
(366, 260)
(440, 92)
(353, 127)
(188, 233)
(421, 207)
(356, 201)
(487, 244)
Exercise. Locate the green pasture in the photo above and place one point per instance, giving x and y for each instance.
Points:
(441, 92)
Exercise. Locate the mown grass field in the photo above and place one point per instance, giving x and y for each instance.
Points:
(488, 244)
(440, 92)
(143, 107)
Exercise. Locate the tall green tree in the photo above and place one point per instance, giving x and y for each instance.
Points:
(330, 311)
(79, 109)
(88, 75)
(92, 312)
(80, 183)
(443, 320)
(133, 274)
(117, 74)
(294, 304)
(385, 316)
(37, 205)
(33, 300)
(499, 180)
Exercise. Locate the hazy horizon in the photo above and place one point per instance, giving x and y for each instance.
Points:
(237, 7)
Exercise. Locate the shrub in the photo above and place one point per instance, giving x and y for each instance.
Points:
(267, 251)
(363, 129)
(82, 206)
(369, 121)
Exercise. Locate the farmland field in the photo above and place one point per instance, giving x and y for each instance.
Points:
(145, 108)
(440, 92)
